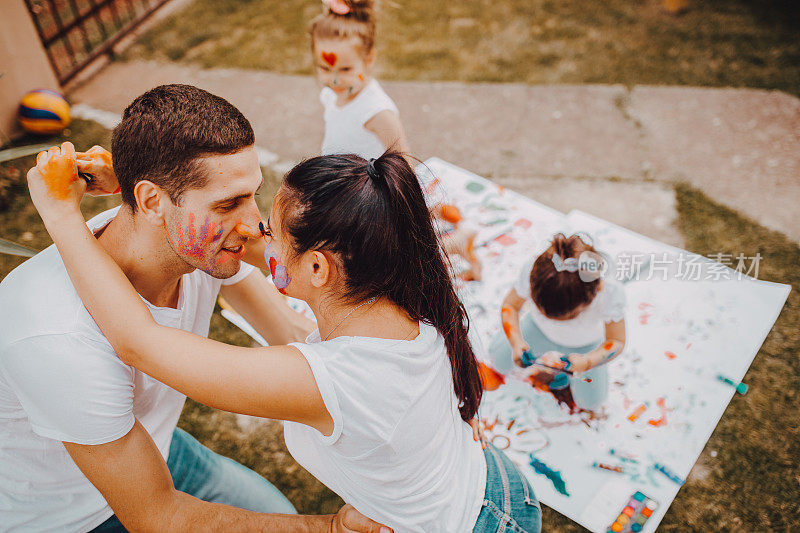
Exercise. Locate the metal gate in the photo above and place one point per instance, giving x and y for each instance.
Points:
(76, 32)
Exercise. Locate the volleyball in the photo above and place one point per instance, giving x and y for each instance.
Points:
(44, 112)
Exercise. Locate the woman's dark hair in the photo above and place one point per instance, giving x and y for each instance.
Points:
(372, 214)
(557, 294)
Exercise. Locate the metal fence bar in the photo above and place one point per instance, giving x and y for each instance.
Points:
(124, 25)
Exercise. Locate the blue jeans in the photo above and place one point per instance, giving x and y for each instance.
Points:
(589, 390)
(198, 471)
(509, 503)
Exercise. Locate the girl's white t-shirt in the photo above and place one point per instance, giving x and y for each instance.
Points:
(586, 328)
(399, 451)
(344, 126)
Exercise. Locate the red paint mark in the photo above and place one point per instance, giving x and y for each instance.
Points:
(637, 412)
(643, 318)
(523, 223)
(491, 379)
(626, 402)
(506, 239)
(330, 58)
(432, 186)
(662, 421)
(688, 345)
(608, 345)
(670, 355)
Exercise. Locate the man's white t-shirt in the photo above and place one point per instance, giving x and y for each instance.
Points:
(60, 380)
(399, 451)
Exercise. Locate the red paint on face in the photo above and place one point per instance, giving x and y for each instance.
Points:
(272, 265)
(330, 58)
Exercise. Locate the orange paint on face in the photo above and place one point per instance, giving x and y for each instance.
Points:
(360, 77)
(247, 231)
(491, 379)
(58, 174)
(329, 57)
(450, 213)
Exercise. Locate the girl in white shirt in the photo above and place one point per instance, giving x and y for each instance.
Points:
(377, 402)
(360, 118)
(574, 312)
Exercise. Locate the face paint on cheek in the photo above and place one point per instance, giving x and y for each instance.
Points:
(360, 77)
(280, 276)
(329, 57)
(195, 244)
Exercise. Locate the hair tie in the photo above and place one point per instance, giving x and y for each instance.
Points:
(337, 6)
(570, 264)
(372, 172)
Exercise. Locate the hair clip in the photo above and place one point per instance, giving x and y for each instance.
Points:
(337, 6)
(570, 264)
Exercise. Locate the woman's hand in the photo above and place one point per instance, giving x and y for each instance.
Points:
(96, 162)
(477, 432)
(55, 188)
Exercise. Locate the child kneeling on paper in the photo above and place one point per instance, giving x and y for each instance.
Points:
(574, 312)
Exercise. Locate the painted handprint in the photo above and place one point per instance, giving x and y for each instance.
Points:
(194, 244)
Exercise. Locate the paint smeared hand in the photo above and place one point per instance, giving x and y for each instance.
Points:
(96, 162)
(55, 188)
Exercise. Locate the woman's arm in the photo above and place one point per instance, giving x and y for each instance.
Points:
(273, 382)
(509, 314)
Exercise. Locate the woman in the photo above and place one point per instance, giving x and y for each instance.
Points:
(377, 403)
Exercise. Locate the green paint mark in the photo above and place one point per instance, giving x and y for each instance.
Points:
(474, 186)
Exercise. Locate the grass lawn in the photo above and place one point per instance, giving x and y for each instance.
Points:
(739, 43)
(753, 482)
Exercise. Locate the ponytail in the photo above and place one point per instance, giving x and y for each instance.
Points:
(373, 215)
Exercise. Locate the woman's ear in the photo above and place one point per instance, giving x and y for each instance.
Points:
(320, 269)
(150, 200)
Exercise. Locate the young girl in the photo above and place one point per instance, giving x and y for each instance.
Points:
(360, 118)
(575, 313)
(377, 401)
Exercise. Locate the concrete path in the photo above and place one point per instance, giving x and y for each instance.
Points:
(585, 146)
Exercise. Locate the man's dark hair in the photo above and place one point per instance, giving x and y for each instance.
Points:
(166, 130)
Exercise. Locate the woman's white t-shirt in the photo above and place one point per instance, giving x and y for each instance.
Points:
(344, 126)
(399, 451)
(589, 326)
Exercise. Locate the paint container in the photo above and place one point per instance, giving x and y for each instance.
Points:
(741, 388)
(672, 476)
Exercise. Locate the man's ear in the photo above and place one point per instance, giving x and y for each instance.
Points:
(151, 201)
(321, 269)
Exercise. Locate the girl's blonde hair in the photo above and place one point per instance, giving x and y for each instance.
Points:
(359, 22)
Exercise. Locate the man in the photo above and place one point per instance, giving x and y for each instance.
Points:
(88, 443)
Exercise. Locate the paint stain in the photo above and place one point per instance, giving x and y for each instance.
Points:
(670, 355)
(662, 420)
(506, 239)
(491, 379)
(248, 231)
(450, 213)
(508, 323)
(195, 244)
(523, 223)
(553, 475)
(637, 413)
(608, 345)
(474, 186)
(58, 174)
(280, 276)
(542, 380)
(360, 77)
(330, 58)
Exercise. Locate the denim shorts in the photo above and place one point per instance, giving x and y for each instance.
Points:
(509, 503)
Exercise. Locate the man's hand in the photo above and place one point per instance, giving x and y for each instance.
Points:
(96, 162)
(477, 432)
(349, 520)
